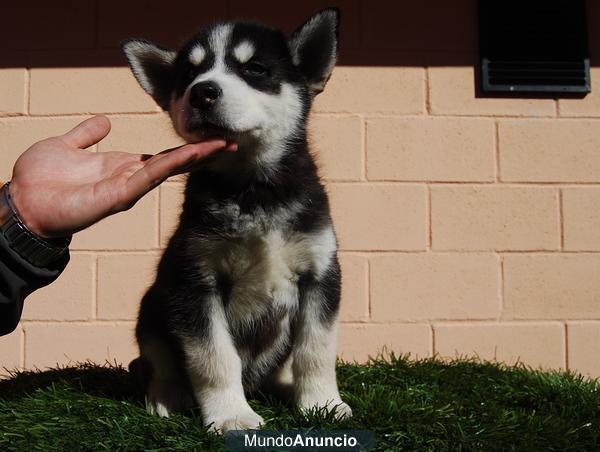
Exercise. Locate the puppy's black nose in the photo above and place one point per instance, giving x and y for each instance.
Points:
(204, 95)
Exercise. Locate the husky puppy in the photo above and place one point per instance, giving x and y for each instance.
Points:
(247, 292)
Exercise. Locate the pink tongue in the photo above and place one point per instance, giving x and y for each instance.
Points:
(231, 146)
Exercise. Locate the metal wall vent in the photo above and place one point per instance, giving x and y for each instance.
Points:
(534, 46)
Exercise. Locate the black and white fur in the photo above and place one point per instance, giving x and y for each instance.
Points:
(247, 292)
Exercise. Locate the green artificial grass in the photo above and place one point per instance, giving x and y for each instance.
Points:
(425, 405)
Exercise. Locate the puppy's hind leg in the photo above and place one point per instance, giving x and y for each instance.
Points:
(280, 383)
(167, 390)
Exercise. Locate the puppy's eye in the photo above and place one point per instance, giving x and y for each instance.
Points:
(255, 69)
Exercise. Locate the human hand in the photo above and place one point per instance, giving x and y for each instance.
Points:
(59, 188)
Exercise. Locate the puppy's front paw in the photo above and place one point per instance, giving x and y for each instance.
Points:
(248, 420)
(341, 408)
(228, 410)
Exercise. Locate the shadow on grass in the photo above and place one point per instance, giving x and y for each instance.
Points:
(110, 380)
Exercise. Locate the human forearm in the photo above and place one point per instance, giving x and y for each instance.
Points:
(19, 278)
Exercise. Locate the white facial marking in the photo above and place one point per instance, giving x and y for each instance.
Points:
(244, 51)
(197, 55)
(219, 40)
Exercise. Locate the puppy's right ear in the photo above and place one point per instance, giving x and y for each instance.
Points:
(314, 47)
(153, 68)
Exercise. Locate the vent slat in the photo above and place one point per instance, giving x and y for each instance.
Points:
(534, 82)
(534, 63)
(536, 67)
(535, 73)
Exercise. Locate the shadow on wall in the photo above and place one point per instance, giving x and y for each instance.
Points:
(374, 33)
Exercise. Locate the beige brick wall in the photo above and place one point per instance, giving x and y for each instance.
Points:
(467, 225)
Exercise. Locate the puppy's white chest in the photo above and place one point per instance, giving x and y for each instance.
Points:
(267, 266)
(265, 263)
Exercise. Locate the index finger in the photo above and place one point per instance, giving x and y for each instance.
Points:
(229, 146)
(161, 166)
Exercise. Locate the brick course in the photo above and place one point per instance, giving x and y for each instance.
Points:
(429, 286)
(534, 150)
(86, 90)
(552, 286)
(379, 216)
(430, 149)
(494, 217)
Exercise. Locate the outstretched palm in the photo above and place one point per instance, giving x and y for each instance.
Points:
(59, 188)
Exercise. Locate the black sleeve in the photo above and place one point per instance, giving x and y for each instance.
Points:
(18, 278)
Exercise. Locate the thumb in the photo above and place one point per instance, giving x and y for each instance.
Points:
(88, 132)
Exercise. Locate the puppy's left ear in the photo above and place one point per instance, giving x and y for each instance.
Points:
(314, 47)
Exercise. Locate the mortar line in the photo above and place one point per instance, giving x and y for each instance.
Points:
(113, 252)
(114, 322)
(547, 252)
(369, 285)
(501, 288)
(566, 345)
(450, 251)
(565, 184)
(346, 113)
(493, 116)
(561, 219)
(497, 150)
(484, 322)
(95, 288)
(363, 154)
(110, 114)
(414, 182)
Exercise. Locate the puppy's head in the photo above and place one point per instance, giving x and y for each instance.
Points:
(242, 81)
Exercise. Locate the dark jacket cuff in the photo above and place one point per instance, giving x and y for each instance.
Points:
(18, 279)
